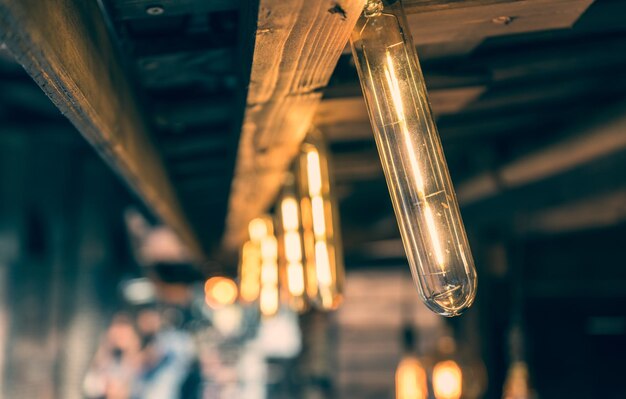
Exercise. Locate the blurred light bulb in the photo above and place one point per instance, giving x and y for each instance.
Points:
(412, 158)
(447, 380)
(322, 246)
(411, 380)
(258, 229)
(269, 295)
(250, 272)
(292, 260)
(220, 291)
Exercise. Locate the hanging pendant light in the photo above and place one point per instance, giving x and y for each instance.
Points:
(412, 158)
(320, 221)
(291, 253)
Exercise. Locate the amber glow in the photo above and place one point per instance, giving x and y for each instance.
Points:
(324, 267)
(447, 380)
(411, 380)
(314, 172)
(412, 158)
(258, 229)
(396, 96)
(269, 296)
(220, 291)
(295, 279)
(289, 212)
(292, 244)
(250, 272)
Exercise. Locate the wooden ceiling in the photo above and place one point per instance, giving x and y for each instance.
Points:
(200, 106)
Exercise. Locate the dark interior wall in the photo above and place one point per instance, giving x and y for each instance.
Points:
(62, 251)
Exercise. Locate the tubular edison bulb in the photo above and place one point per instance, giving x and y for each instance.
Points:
(411, 380)
(412, 158)
(324, 263)
(447, 380)
(292, 265)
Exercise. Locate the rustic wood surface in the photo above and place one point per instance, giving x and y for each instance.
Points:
(298, 43)
(65, 46)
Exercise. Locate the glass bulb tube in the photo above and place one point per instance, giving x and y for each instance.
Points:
(291, 259)
(411, 381)
(412, 159)
(322, 246)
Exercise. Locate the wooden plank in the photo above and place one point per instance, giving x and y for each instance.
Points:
(65, 46)
(441, 22)
(346, 118)
(597, 212)
(352, 109)
(298, 43)
(443, 28)
(600, 138)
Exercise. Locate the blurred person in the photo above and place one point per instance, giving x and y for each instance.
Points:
(167, 359)
(116, 362)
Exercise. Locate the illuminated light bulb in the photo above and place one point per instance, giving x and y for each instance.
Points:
(412, 158)
(291, 262)
(220, 291)
(269, 296)
(324, 269)
(295, 279)
(258, 229)
(250, 272)
(447, 380)
(411, 382)
(268, 301)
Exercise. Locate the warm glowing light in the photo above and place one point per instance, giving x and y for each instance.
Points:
(269, 248)
(314, 172)
(293, 246)
(295, 278)
(289, 212)
(447, 380)
(268, 302)
(250, 272)
(324, 274)
(220, 291)
(411, 380)
(291, 264)
(412, 158)
(319, 222)
(322, 247)
(257, 229)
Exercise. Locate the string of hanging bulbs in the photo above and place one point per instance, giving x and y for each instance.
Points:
(294, 257)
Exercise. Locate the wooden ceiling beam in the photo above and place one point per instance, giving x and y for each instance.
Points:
(298, 44)
(66, 48)
(604, 136)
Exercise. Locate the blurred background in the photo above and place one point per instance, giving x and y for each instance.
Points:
(100, 299)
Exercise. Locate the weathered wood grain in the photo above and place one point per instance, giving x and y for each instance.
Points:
(66, 48)
(298, 43)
